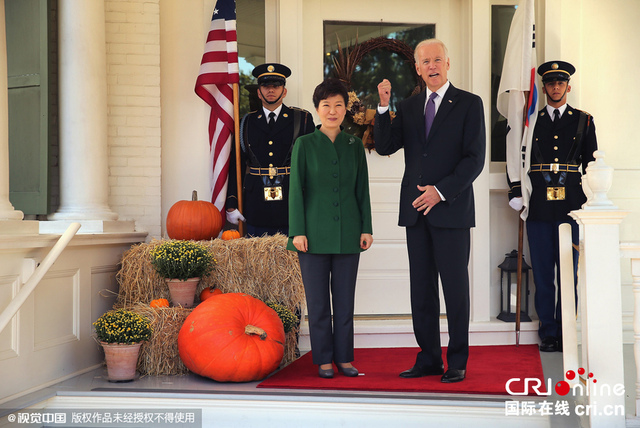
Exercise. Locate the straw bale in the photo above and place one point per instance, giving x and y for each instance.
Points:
(159, 355)
(261, 267)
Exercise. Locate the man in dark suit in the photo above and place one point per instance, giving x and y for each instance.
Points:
(564, 139)
(266, 138)
(442, 132)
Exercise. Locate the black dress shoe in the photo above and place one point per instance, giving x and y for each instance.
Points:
(348, 371)
(325, 373)
(417, 371)
(453, 375)
(549, 344)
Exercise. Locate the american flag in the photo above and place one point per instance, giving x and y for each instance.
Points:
(218, 71)
(518, 96)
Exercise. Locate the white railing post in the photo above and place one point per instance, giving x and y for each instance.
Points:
(632, 251)
(601, 296)
(568, 289)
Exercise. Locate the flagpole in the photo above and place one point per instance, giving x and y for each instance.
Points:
(519, 277)
(520, 245)
(236, 133)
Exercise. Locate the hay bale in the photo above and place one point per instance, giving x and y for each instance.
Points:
(159, 355)
(260, 267)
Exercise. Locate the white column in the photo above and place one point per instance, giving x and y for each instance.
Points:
(84, 170)
(600, 291)
(7, 212)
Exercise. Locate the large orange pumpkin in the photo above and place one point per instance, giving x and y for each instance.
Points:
(232, 338)
(194, 219)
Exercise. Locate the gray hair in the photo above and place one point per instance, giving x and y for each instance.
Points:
(430, 42)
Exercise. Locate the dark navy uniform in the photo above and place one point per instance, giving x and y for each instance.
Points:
(554, 142)
(560, 153)
(263, 148)
(266, 154)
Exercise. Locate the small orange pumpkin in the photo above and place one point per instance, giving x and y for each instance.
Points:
(230, 234)
(208, 292)
(194, 219)
(159, 303)
(232, 338)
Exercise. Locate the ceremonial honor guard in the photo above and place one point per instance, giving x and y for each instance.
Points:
(564, 140)
(266, 139)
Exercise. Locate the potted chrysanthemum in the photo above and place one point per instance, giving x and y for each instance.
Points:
(182, 264)
(121, 332)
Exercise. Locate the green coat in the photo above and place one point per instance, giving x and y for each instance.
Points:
(329, 193)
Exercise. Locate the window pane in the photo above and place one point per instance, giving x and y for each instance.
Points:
(501, 17)
(385, 51)
(250, 16)
(379, 63)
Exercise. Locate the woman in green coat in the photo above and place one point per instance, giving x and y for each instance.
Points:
(329, 225)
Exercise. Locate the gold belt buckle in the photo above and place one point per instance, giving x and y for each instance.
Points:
(555, 167)
(273, 171)
(555, 194)
(273, 193)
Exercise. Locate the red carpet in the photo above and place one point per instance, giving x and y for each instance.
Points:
(488, 370)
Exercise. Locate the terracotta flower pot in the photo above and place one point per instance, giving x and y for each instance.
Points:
(122, 360)
(183, 292)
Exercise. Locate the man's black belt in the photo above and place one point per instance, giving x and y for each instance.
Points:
(555, 167)
(271, 172)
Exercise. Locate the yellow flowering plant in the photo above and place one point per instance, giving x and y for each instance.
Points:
(177, 259)
(122, 326)
(288, 318)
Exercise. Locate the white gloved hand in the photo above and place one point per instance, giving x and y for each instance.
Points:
(515, 203)
(234, 216)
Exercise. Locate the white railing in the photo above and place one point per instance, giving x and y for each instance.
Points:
(16, 303)
(632, 251)
(600, 300)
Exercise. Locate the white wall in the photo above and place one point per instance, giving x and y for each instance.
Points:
(133, 78)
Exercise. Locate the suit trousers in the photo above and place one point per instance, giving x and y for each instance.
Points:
(330, 281)
(444, 252)
(545, 264)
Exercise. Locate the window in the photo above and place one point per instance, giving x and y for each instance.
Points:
(250, 16)
(378, 63)
(501, 17)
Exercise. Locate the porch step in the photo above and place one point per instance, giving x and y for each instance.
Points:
(276, 408)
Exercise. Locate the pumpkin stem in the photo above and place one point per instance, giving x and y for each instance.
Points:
(194, 195)
(252, 329)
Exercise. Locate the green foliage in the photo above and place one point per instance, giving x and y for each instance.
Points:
(178, 259)
(122, 326)
(289, 319)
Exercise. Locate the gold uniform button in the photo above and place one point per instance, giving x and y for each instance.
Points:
(555, 137)
(556, 160)
(270, 153)
(570, 112)
(555, 147)
(271, 143)
(270, 165)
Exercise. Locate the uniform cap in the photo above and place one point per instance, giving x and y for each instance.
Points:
(556, 70)
(271, 74)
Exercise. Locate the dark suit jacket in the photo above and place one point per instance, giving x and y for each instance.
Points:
(450, 159)
(270, 146)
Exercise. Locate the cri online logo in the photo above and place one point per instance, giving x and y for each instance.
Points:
(518, 386)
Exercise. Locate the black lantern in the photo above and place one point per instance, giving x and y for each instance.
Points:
(509, 288)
